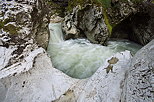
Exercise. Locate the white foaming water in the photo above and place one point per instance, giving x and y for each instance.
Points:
(56, 34)
(79, 58)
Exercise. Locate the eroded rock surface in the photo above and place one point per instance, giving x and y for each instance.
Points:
(86, 22)
(24, 20)
(139, 83)
(41, 83)
(106, 87)
(118, 10)
(23, 27)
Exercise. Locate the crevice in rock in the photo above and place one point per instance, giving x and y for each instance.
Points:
(136, 27)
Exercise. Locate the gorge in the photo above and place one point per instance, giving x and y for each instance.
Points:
(76, 50)
(79, 58)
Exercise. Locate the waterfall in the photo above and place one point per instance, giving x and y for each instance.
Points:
(56, 34)
(79, 58)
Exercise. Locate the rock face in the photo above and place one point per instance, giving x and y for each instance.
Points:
(117, 10)
(24, 20)
(23, 27)
(86, 22)
(139, 83)
(137, 27)
(129, 19)
(143, 24)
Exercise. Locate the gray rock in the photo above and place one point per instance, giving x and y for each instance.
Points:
(34, 79)
(103, 86)
(139, 83)
(40, 83)
(138, 26)
(143, 24)
(119, 10)
(86, 22)
(24, 20)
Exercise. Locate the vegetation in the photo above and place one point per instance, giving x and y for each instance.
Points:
(104, 3)
(8, 28)
(107, 22)
(11, 29)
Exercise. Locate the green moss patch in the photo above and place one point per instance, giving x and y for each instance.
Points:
(107, 22)
(105, 3)
(11, 29)
(1, 24)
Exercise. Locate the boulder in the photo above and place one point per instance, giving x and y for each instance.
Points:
(139, 79)
(86, 21)
(39, 82)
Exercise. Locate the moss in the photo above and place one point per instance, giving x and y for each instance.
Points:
(107, 22)
(106, 4)
(1, 24)
(11, 29)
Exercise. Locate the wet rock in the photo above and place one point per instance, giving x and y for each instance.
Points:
(55, 19)
(86, 22)
(35, 76)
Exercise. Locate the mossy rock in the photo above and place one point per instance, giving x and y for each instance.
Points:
(1, 24)
(110, 8)
(11, 29)
(4, 22)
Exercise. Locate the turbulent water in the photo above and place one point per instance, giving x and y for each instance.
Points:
(79, 58)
